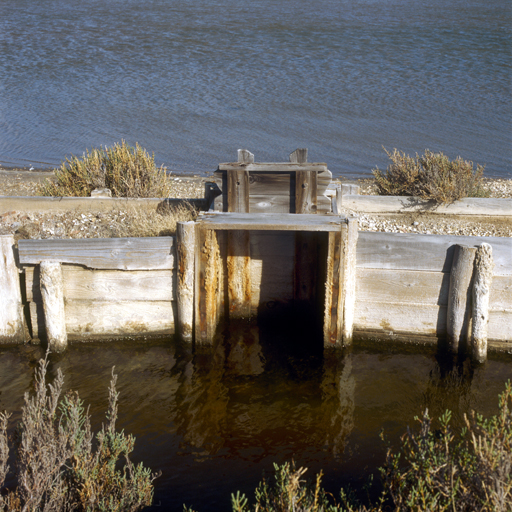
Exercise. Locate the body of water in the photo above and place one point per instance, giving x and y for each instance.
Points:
(214, 423)
(194, 81)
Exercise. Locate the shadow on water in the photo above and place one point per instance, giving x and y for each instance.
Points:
(213, 420)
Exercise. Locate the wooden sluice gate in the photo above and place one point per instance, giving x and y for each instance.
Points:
(270, 252)
(252, 265)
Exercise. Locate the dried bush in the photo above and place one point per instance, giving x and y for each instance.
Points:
(432, 176)
(126, 171)
(60, 464)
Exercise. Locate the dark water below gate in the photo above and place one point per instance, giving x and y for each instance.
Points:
(194, 81)
(212, 424)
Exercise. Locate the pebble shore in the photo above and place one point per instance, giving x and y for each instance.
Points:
(79, 225)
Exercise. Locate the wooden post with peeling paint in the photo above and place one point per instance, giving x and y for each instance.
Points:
(12, 328)
(52, 292)
(185, 239)
(484, 266)
(459, 296)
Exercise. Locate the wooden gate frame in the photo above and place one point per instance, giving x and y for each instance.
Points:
(209, 268)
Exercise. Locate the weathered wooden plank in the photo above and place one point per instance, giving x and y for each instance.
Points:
(209, 290)
(421, 319)
(396, 204)
(88, 204)
(128, 318)
(271, 222)
(501, 293)
(500, 326)
(238, 191)
(273, 191)
(102, 253)
(114, 285)
(274, 166)
(278, 183)
(419, 287)
(282, 204)
(305, 192)
(12, 328)
(408, 251)
(333, 314)
(239, 275)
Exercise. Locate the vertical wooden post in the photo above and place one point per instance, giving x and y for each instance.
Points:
(52, 292)
(459, 296)
(484, 266)
(299, 156)
(238, 191)
(349, 284)
(333, 314)
(306, 186)
(239, 274)
(208, 285)
(185, 240)
(245, 157)
(12, 329)
(306, 191)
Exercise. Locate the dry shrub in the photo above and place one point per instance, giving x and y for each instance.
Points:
(143, 222)
(61, 465)
(126, 171)
(433, 177)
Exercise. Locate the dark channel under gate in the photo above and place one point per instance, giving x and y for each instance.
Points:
(291, 268)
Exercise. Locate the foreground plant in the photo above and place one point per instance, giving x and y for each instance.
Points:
(126, 171)
(61, 465)
(435, 471)
(432, 176)
(438, 470)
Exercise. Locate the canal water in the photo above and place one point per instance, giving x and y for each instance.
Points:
(213, 423)
(194, 81)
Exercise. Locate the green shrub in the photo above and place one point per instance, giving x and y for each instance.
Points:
(60, 465)
(434, 470)
(432, 176)
(438, 470)
(126, 171)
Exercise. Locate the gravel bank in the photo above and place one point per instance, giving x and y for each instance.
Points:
(124, 222)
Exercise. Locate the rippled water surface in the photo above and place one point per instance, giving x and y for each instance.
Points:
(194, 81)
(213, 423)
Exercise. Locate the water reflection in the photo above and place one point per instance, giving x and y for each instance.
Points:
(213, 420)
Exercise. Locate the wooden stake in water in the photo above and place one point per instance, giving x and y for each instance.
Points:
(52, 292)
(11, 310)
(185, 238)
(484, 266)
(459, 296)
